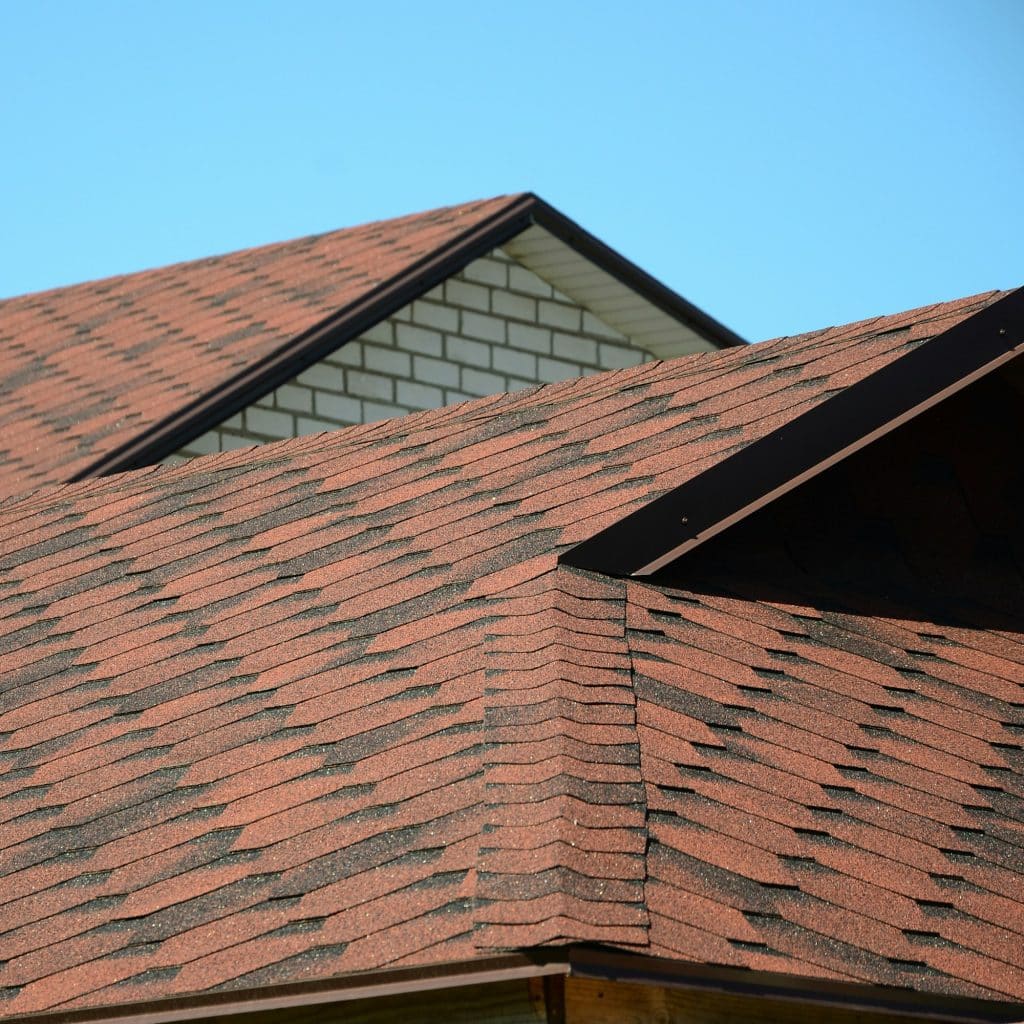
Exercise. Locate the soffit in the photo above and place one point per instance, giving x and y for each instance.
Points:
(613, 301)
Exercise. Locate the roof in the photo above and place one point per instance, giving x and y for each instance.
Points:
(165, 338)
(115, 374)
(792, 452)
(332, 705)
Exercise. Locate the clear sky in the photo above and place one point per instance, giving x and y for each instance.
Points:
(785, 165)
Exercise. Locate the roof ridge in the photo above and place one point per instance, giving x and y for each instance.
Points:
(941, 308)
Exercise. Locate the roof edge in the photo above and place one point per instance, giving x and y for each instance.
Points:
(308, 347)
(615, 965)
(301, 351)
(324, 991)
(670, 526)
(633, 276)
(593, 962)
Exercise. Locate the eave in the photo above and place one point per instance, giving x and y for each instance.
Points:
(555, 966)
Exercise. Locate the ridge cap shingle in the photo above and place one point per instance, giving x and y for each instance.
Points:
(551, 869)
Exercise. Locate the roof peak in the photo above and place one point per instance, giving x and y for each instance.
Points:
(957, 345)
(157, 358)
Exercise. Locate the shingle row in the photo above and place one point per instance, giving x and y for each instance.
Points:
(329, 705)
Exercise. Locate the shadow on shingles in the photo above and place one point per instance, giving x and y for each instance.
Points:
(925, 525)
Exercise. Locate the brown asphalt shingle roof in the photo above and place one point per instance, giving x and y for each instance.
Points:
(87, 368)
(331, 705)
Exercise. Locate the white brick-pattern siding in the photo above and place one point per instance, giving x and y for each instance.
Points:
(494, 327)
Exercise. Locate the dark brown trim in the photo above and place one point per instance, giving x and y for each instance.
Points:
(365, 985)
(612, 965)
(554, 998)
(300, 352)
(670, 526)
(255, 381)
(633, 277)
(553, 964)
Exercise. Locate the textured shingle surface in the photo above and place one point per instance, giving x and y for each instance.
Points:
(829, 702)
(330, 705)
(87, 368)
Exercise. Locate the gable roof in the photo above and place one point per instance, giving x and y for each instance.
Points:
(113, 374)
(331, 705)
(790, 454)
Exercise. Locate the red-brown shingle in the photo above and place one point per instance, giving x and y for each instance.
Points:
(90, 367)
(331, 705)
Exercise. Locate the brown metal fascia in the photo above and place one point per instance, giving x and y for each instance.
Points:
(300, 352)
(670, 526)
(566, 962)
(615, 966)
(367, 985)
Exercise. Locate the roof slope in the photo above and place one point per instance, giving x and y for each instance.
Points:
(115, 374)
(331, 705)
(847, 689)
(172, 335)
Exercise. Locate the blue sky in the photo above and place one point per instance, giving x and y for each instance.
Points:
(784, 165)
